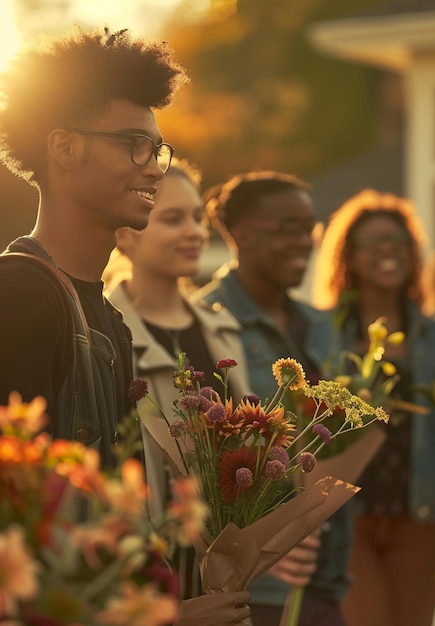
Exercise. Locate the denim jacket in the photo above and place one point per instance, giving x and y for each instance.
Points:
(264, 344)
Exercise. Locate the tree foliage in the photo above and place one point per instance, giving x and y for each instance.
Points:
(261, 96)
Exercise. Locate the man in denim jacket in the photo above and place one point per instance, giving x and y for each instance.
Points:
(268, 218)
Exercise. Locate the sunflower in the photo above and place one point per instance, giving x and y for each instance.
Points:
(289, 371)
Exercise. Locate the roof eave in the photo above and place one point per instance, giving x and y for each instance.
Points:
(390, 42)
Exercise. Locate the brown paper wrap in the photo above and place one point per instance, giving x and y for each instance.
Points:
(239, 555)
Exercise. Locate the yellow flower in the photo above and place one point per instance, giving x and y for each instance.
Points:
(388, 368)
(289, 370)
(330, 392)
(381, 415)
(396, 339)
(343, 379)
(132, 550)
(378, 331)
(353, 416)
(159, 544)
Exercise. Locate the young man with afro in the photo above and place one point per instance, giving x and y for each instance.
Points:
(77, 121)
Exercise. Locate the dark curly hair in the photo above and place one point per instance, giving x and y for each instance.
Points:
(229, 203)
(332, 275)
(68, 80)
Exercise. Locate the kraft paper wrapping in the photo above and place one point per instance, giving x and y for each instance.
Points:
(239, 555)
(157, 427)
(349, 464)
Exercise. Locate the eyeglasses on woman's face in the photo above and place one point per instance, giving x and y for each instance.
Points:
(396, 239)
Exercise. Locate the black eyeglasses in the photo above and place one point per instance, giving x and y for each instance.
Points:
(291, 229)
(142, 147)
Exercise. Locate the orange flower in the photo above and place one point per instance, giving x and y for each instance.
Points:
(129, 494)
(18, 571)
(233, 423)
(11, 450)
(65, 451)
(139, 607)
(86, 475)
(104, 536)
(270, 425)
(188, 508)
(22, 418)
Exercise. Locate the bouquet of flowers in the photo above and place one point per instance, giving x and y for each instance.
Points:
(368, 377)
(57, 567)
(244, 457)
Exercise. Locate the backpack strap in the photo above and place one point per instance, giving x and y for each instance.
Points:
(64, 281)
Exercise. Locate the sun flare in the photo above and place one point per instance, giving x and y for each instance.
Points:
(10, 40)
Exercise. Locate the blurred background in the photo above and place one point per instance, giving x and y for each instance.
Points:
(340, 93)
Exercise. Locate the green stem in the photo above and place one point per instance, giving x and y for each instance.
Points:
(295, 607)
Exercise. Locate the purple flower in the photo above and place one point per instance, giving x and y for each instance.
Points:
(177, 428)
(275, 470)
(252, 398)
(244, 477)
(217, 413)
(198, 376)
(204, 404)
(208, 392)
(276, 453)
(225, 363)
(137, 389)
(307, 461)
(322, 432)
(189, 402)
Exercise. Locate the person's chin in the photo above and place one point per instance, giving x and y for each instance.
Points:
(294, 279)
(138, 223)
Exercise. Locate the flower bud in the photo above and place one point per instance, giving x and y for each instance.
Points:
(396, 339)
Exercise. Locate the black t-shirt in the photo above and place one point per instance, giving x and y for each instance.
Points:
(191, 341)
(36, 331)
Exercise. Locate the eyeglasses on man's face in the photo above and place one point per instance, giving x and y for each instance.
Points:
(142, 147)
(290, 228)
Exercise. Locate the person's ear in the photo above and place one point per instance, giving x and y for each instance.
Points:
(61, 148)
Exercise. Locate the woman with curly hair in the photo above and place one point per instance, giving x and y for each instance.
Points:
(369, 266)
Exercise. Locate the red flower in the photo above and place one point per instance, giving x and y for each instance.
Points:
(230, 462)
(225, 363)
